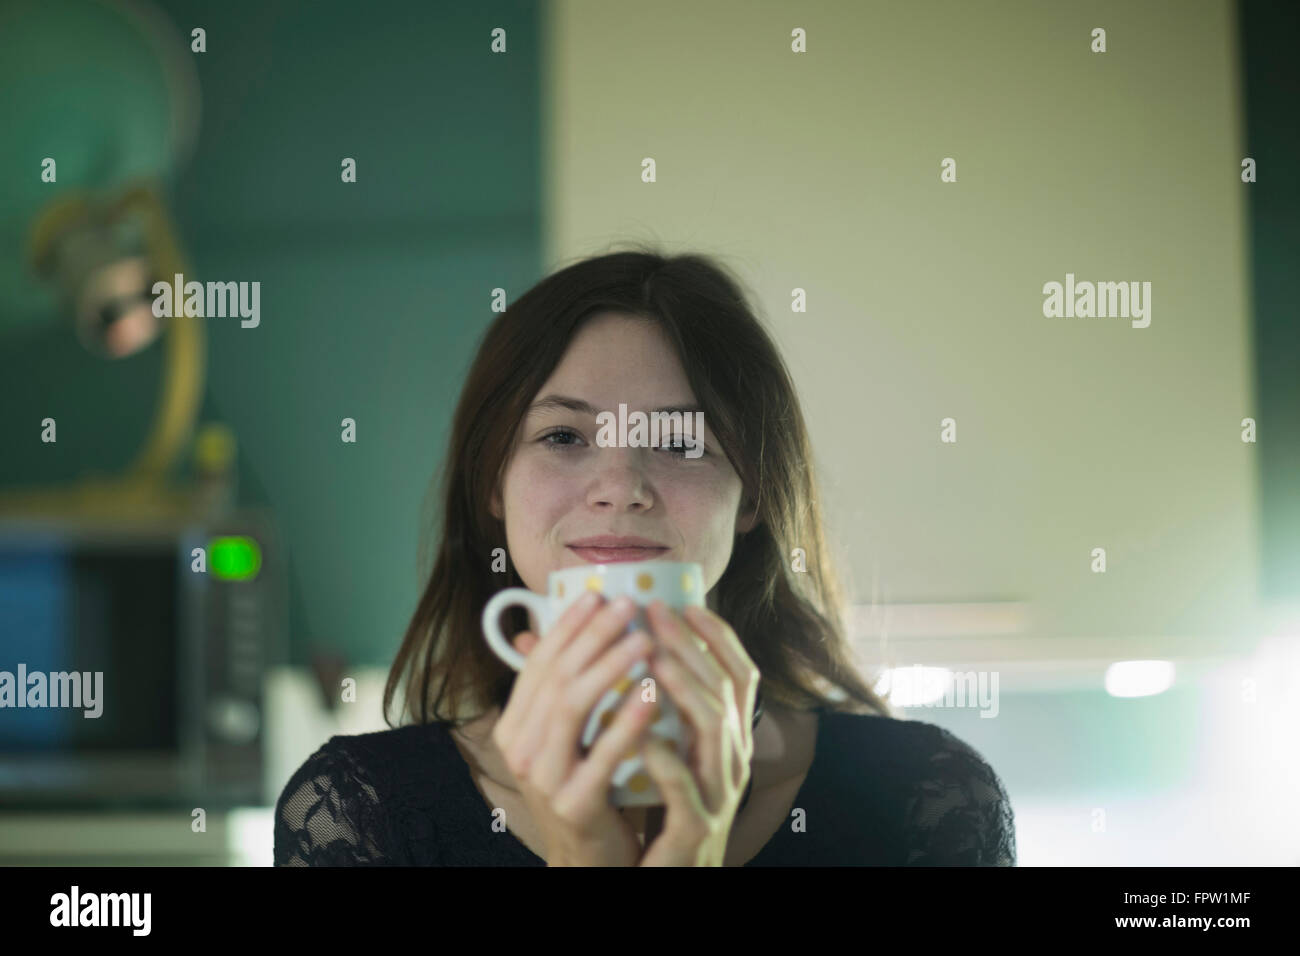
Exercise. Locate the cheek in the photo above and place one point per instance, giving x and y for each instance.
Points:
(706, 508)
(539, 490)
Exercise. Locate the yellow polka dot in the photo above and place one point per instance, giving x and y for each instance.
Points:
(559, 589)
(632, 755)
(688, 582)
(594, 583)
(638, 782)
(645, 581)
(622, 686)
(606, 719)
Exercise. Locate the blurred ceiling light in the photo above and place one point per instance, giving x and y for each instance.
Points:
(1139, 678)
(914, 686)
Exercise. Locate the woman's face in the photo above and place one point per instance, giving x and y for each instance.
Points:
(560, 486)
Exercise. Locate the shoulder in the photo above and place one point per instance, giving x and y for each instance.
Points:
(367, 761)
(911, 743)
(335, 807)
(953, 807)
(900, 744)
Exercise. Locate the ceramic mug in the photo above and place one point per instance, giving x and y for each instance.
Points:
(677, 584)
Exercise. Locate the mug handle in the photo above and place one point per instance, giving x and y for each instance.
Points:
(536, 603)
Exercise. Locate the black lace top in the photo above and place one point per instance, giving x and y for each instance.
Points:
(880, 791)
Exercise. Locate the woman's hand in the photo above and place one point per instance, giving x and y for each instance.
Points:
(539, 732)
(705, 670)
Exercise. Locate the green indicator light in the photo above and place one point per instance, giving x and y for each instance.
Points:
(234, 558)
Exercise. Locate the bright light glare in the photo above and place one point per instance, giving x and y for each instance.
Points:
(914, 686)
(1139, 678)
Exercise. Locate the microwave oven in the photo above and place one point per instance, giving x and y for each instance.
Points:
(133, 661)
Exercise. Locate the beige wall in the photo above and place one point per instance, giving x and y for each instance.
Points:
(821, 171)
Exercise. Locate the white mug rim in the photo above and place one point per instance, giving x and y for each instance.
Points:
(560, 573)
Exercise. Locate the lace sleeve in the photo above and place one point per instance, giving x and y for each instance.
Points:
(958, 814)
(329, 814)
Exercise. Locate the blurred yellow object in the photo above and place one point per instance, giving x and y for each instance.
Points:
(142, 492)
(109, 110)
(214, 449)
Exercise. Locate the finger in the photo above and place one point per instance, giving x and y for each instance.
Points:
(726, 647)
(605, 627)
(682, 640)
(686, 820)
(558, 668)
(518, 708)
(717, 633)
(520, 700)
(706, 713)
(741, 750)
(737, 732)
(680, 637)
(553, 641)
(723, 644)
(567, 704)
(620, 739)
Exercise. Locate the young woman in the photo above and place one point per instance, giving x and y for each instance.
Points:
(796, 762)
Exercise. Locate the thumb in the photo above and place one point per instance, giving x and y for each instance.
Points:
(675, 781)
(525, 641)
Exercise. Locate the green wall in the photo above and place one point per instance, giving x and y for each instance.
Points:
(373, 294)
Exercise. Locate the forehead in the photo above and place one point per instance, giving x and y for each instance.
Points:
(618, 358)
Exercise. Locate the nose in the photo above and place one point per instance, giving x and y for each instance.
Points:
(620, 481)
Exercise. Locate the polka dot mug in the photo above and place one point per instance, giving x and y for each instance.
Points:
(677, 584)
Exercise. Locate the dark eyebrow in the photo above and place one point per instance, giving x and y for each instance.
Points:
(551, 402)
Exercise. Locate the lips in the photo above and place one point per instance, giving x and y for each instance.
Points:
(612, 555)
(609, 548)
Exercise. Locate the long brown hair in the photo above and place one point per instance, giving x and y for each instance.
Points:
(789, 621)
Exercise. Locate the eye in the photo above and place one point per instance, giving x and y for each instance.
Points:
(675, 446)
(561, 432)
